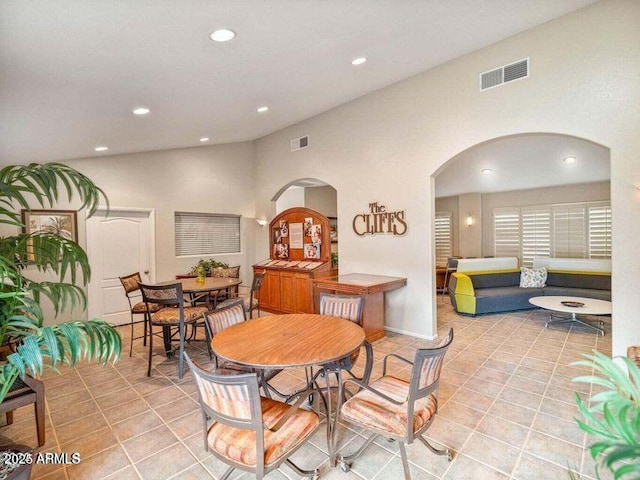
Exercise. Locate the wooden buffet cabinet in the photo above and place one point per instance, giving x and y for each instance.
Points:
(289, 289)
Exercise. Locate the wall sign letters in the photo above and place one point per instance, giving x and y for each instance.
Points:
(379, 220)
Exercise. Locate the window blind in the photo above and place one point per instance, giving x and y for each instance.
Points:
(443, 238)
(206, 233)
(506, 232)
(536, 234)
(569, 231)
(600, 231)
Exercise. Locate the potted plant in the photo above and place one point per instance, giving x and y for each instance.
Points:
(206, 266)
(34, 344)
(612, 415)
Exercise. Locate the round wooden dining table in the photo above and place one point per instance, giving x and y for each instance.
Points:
(202, 291)
(289, 341)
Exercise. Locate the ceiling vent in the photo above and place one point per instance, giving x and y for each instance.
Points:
(504, 74)
(299, 143)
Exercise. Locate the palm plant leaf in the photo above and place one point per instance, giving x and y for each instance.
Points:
(21, 317)
(613, 416)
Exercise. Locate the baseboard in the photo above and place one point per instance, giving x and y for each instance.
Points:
(411, 334)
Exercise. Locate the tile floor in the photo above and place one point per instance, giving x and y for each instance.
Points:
(506, 408)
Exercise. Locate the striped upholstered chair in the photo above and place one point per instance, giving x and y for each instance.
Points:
(173, 315)
(397, 409)
(136, 306)
(348, 307)
(247, 431)
(252, 301)
(224, 317)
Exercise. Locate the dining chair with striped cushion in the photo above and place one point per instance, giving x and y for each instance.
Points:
(247, 431)
(349, 307)
(397, 409)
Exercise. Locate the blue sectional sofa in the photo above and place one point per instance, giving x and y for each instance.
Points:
(493, 285)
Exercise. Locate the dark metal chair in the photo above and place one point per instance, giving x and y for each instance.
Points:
(252, 302)
(132, 291)
(24, 392)
(173, 315)
(397, 409)
(452, 267)
(247, 431)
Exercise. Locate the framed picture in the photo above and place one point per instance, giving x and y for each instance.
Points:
(284, 228)
(333, 229)
(312, 250)
(281, 250)
(60, 222)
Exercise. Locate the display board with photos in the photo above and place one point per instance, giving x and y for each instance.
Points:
(300, 235)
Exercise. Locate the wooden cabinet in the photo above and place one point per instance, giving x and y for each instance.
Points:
(288, 289)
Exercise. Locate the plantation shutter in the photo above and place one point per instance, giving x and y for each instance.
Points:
(206, 233)
(600, 231)
(536, 234)
(569, 231)
(443, 237)
(506, 232)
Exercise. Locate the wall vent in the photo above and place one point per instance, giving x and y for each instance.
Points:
(299, 143)
(506, 73)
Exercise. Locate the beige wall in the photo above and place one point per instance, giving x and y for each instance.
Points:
(470, 204)
(385, 147)
(322, 199)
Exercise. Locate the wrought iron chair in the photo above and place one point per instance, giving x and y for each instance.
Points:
(132, 291)
(349, 307)
(173, 315)
(247, 431)
(252, 302)
(23, 392)
(223, 317)
(397, 409)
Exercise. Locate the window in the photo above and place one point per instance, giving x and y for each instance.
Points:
(580, 230)
(506, 232)
(444, 237)
(206, 233)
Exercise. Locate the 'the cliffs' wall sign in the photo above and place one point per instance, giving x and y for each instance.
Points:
(379, 220)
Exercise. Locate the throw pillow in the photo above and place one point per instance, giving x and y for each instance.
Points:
(533, 277)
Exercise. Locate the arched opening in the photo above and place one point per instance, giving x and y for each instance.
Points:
(526, 196)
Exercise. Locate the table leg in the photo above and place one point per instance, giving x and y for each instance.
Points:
(332, 423)
(572, 319)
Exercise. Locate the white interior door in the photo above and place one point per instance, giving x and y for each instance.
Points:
(118, 244)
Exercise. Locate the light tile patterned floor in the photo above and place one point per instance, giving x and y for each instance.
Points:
(506, 408)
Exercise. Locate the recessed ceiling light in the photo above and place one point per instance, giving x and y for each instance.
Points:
(101, 148)
(141, 111)
(569, 160)
(358, 61)
(263, 109)
(204, 139)
(485, 171)
(222, 35)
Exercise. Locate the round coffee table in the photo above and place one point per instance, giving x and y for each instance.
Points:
(574, 306)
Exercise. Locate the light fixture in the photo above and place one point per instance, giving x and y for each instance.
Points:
(486, 171)
(101, 148)
(263, 109)
(358, 61)
(222, 35)
(261, 221)
(469, 220)
(141, 111)
(204, 139)
(569, 160)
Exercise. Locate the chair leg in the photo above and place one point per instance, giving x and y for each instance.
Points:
(150, 348)
(39, 410)
(131, 343)
(146, 322)
(444, 451)
(315, 473)
(181, 327)
(227, 473)
(345, 462)
(405, 463)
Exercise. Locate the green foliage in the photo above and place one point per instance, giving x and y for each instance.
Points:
(21, 318)
(207, 265)
(612, 415)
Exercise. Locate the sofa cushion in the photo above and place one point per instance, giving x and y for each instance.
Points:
(492, 280)
(594, 281)
(533, 277)
(577, 292)
(504, 299)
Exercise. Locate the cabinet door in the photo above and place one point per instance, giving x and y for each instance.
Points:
(303, 301)
(271, 287)
(287, 292)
